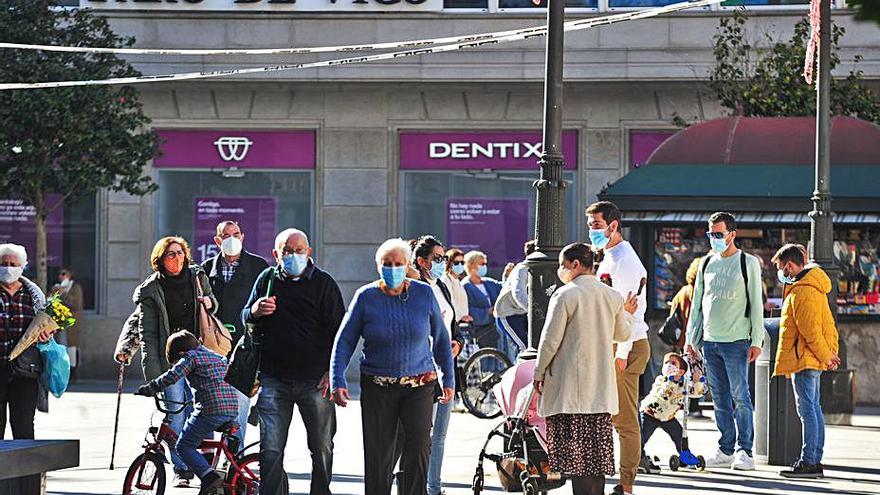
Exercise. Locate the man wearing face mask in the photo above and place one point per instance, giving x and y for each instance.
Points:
(628, 276)
(232, 274)
(727, 321)
(297, 324)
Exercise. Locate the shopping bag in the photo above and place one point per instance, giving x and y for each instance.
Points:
(56, 367)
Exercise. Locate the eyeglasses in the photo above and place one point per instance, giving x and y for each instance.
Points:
(716, 235)
(457, 263)
(170, 255)
(438, 259)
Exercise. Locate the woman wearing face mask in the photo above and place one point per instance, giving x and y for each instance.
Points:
(452, 280)
(167, 301)
(20, 301)
(575, 370)
(71, 294)
(404, 335)
(482, 292)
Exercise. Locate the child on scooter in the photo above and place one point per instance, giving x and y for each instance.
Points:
(664, 400)
(216, 402)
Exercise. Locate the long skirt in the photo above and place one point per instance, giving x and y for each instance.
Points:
(581, 444)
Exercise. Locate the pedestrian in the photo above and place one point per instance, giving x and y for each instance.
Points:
(727, 320)
(622, 267)
(20, 301)
(664, 401)
(575, 370)
(232, 274)
(807, 346)
(452, 279)
(166, 302)
(482, 292)
(71, 294)
(296, 326)
(404, 335)
(216, 402)
(681, 305)
(430, 260)
(512, 305)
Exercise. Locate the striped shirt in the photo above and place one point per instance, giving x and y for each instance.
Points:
(204, 370)
(16, 313)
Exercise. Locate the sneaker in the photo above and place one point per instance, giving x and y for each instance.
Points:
(181, 479)
(647, 466)
(618, 490)
(719, 460)
(803, 470)
(210, 483)
(743, 462)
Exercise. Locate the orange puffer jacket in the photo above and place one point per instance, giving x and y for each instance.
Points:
(808, 335)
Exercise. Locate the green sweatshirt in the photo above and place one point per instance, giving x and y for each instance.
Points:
(719, 302)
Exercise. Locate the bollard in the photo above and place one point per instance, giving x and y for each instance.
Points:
(763, 372)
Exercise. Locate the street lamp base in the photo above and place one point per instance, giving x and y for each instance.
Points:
(543, 281)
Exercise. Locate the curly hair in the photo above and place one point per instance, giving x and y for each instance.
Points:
(161, 248)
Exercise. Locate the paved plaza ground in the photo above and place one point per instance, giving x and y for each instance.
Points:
(86, 413)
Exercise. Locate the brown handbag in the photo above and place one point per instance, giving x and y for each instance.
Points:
(212, 333)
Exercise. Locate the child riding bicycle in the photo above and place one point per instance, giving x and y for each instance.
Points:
(216, 402)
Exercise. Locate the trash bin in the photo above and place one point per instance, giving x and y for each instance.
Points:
(777, 427)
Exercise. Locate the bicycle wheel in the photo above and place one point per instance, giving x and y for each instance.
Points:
(146, 475)
(245, 481)
(482, 371)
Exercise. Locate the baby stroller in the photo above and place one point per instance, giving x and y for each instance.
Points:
(523, 464)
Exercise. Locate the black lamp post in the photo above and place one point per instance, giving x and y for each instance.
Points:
(549, 189)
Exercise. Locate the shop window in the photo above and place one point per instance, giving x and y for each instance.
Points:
(643, 143)
(191, 203)
(760, 3)
(71, 239)
(489, 211)
(621, 4)
(466, 4)
(529, 4)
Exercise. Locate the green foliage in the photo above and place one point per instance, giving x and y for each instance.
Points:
(866, 10)
(767, 81)
(70, 141)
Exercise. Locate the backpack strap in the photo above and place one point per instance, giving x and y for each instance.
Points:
(745, 275)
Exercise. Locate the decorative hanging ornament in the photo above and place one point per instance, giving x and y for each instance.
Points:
(813, 41)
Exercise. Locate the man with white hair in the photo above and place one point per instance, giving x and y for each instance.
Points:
(20, 301)
(295, 319)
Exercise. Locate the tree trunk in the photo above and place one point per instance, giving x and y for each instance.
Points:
(42, 255)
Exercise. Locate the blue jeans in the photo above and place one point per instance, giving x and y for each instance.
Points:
(438, 443)
(515, 332)
(275, 406)
(178, 392)
(806, 393)
(727, 370)
(197, 428)
(244, 409)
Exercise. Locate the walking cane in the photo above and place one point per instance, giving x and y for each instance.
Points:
(118, 402)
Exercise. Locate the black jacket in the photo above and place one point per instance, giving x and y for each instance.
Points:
(233, 296)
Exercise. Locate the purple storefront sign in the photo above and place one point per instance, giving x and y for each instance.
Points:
(643, 143)
(237, 148)
(18, 226)
(497, 227)
(255, 215)
(507, 150)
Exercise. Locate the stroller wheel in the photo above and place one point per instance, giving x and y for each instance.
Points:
(701, 463)
(674, 463)
(530, 487)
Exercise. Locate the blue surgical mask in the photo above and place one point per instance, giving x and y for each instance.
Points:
(457, 269)
(598, 238)
(438, 268)
(482, 270)
(669, 369)
(294, 264)
(784, 279)
(393, 276)
(718, 245)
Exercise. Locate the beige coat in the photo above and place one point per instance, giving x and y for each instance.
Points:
(575, 356)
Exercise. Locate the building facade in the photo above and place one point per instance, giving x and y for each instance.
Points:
(443, 143)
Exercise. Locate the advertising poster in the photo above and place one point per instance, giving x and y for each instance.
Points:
(18, 226)
(255, 215)
(497, 227)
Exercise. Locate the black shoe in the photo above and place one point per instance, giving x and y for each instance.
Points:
(803, 470)
(210, 483)
(647, 466)
(618, 490)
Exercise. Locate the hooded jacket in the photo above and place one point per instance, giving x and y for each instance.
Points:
(808, 335)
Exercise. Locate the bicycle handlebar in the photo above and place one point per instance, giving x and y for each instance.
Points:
(159, 399)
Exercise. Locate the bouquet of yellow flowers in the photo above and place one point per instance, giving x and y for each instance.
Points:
(54, 316)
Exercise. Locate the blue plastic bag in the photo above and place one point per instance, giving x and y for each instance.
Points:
(56, 367)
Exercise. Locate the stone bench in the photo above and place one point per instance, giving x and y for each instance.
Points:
(24, 462)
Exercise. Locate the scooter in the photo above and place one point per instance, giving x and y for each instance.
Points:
(687, 459)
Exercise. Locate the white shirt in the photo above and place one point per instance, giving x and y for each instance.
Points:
(459, 296)
(445, 307)
(627, 271)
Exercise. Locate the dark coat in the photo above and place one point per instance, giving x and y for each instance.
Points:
(233, 296)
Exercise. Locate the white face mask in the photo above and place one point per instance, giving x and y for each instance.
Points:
(231, 246)
(9, 274)
(66, 283)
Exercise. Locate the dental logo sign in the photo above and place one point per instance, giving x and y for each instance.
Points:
(233, 149)
(480, 150)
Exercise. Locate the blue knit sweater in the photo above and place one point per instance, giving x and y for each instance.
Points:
(401, 338)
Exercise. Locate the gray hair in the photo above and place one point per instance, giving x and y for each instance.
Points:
(14, 250)
(474, 257)
(225, 223)
(395, 244)
(284, 235)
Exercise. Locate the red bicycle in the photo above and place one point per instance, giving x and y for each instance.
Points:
(146, 475)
